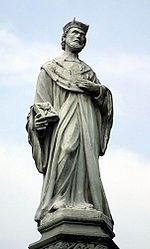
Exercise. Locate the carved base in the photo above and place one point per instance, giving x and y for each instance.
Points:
(75, 229)
(79, 245)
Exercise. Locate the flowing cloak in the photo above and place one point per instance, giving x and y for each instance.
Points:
(67, 152)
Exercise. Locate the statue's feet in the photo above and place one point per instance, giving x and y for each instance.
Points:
(60, 204)
(57, 205)
(84, 206)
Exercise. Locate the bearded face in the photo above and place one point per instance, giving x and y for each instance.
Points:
(75, 40)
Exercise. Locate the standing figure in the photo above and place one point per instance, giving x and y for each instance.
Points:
(68, 128)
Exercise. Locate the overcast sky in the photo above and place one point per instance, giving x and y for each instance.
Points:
(118, 50)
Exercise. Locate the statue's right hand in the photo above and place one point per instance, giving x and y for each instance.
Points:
(40, 123)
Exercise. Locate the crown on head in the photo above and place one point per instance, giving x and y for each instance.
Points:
(75, 24)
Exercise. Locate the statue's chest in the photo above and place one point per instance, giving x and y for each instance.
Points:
(73, 68)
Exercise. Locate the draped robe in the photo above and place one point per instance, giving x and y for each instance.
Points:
(67, 152)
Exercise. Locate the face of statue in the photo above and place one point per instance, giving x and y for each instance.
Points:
(75, 40)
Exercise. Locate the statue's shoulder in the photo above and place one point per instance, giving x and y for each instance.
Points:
(52, 63)
(52, 67)
(86, 66)
(47, 64)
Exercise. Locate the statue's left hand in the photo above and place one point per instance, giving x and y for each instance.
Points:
(89, 87)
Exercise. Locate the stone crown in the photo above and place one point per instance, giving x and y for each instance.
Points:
(75, 24)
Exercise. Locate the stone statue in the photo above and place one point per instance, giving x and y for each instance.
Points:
(68, 128)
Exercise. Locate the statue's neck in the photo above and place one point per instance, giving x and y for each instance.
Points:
(70, 54)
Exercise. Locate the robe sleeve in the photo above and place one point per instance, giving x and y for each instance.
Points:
(107, 120)
(37, 139)
(105, 103)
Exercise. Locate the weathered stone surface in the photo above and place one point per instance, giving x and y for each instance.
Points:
(77, 216)
(68, 128)
(70, 228)
(78, 245)
(75, 245)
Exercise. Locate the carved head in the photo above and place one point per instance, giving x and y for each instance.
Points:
(74, 36)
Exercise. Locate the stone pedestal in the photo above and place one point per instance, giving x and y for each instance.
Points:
(75, 229)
